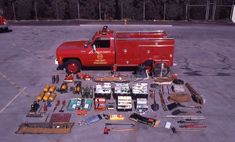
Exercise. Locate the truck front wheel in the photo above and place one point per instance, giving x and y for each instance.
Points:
(72, 66)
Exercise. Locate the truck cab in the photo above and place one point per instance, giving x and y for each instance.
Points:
(98, 51)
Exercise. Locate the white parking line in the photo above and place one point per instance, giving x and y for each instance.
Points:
(26, 50)
(9, 103)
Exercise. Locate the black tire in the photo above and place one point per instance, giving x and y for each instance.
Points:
(157, 70)
(72, 66)
(6, 29)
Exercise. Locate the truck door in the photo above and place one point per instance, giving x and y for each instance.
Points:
(102, 53)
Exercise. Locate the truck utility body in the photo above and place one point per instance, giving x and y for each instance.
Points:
(122, 49)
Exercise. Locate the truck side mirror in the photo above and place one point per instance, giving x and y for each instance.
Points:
(94, 48)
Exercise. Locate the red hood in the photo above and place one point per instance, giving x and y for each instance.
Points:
(72, 45)
(70, 48)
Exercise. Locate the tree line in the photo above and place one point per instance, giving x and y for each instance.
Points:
(117, 9)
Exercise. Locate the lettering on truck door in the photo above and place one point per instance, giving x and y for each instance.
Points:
(101, 53)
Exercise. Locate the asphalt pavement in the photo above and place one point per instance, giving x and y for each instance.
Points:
(204, 57)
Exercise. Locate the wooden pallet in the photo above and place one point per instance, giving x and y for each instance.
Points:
(45, 128)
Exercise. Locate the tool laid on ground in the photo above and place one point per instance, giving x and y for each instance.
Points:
(154, 106)
(46, 88)
(34, 106)
(188, 121)
(84, 76)
(47, 117)
(63, 88)
(195, 96)
(33, 110)
(45, 128)
(52, 97)
(56, 105)
(46, 96)
(60, 117)
(81, 111)
(197, 107)
(164, 107)
(63, 105)
(55, 79)
(179, 97)
(40, 96)
(110, 106)
(191, 117)
(107, 130)
(114, 117)
(69, 78)
(52, 88)
(44, 107)
(175, 105)
(128, 124)
(77, 88)
(87, 92)
(111, 79)
(193, 126)
(91, 119)
(178, 111)
(145, 120)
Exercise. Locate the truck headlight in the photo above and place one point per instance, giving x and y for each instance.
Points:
(56, 62)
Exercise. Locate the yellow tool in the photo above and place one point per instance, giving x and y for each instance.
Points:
(52, 97)
(40, 96)
(46, 88)
(46, 96)
(64, 87)
(116, 117)
(52, 88)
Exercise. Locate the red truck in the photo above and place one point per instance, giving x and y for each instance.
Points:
(153, 49)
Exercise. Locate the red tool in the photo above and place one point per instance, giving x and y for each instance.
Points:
(45, 107)
(56, 105)
(193, 126)
(81, 112)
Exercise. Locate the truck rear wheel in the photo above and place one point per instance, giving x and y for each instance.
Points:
(72, 66)
(160, 69)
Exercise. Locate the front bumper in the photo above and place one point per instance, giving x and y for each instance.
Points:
(3, 26)
(56, 62)
(60, 67)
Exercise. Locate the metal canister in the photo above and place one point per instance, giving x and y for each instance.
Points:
(52, 97)
(46, 88)
(40, 96)
(52, 88)
(46, 96)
